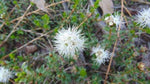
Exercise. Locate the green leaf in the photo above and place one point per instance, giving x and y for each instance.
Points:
(46, 20)
(132, 31)
(56, 30)
(83, 72)
(20, 32)
(16, 67)
(147, 30)
(96, 4)
(20, 58)
(82, 15)
(37, 23)
(12, 55)
(74, 18)
(15, 2)
(64, 14)
(12, 36)
(2, 49)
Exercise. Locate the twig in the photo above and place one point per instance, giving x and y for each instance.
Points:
(50, 44)
(15, 27)
(127, 11)
(84, 20)
(142, 1)
(53, 4)
(68, 17)
(2, 25)
(115, 45)
(30, 31)
(4, 57)
(11, 81)
(7, 17)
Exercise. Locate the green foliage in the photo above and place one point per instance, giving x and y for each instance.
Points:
(83, 72)
(45, 65)
(45, 20)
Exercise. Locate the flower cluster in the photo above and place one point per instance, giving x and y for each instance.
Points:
(69, 41)
(143, 18)
(101, 55)
(114, 19)
(5, 75)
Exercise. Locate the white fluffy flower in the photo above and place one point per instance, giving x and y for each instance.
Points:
(101, 55)
(69, 41)
(5, 75)
(114, 19)
(143, 18)
(117, 20)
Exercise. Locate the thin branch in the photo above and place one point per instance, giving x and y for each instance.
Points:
(30, 31)
(8, 17)
(115, 45)
(53, 4)
(142, 1)
(127, 11)
(4, 57)
(15, 27)
(84, 20)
